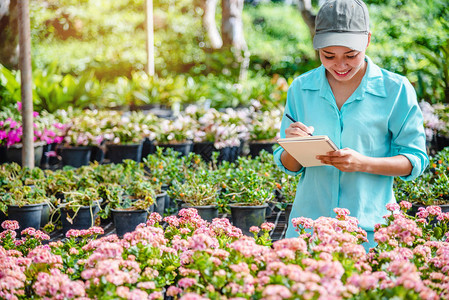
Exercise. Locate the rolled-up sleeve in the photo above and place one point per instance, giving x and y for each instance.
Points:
(407, 129)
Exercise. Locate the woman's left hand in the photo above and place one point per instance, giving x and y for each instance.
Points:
(346, 160)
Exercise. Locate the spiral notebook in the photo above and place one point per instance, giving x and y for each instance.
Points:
(305, 149)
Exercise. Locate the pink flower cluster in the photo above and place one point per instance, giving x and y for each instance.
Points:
(12, 274)
(56, 285)
(84, 233)
(33, 233)
(10, 225)
(11, 130)
(201, 260)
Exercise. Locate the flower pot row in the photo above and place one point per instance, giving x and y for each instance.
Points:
(77, 156)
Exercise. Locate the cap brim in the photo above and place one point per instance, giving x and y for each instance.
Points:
(354, 41)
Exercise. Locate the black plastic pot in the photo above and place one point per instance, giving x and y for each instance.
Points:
(27, 215)
(167, 202)
(270, 208)
(127, 220)
(206, 212)
(3, 154)
(118, 153)
(2, 217)
(244, 216)
(256, 147)
(84, 218)
(75, 156)
(45, 215)
(441, 142)
(96, 154)
(147, 148)
(288, 210)
(205, 150)
(159, 205)
(229, 154)
(14, 153)
(178, 204)
(183, 148)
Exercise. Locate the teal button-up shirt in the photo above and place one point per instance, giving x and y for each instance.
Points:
(380, 119)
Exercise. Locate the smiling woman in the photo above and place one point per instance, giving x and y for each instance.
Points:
(371, 114)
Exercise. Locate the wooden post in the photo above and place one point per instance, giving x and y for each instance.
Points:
(150, 37)
(26, 84)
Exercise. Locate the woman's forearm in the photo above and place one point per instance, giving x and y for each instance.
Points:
(289, 162)
(398, 165)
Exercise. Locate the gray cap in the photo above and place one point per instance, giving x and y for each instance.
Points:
(342, 23)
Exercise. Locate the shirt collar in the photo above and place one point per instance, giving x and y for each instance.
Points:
(372, 82)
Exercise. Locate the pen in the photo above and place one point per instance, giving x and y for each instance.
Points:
(294, 121)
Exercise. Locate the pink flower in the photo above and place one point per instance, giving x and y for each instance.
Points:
(267, 226)
(173, 291)
(122, 291)
(51, 154)
(192, 296)
(96, 230)
(422, 213)
(341, 211)
(392, 207)
(172, 221)
(186, 282)
(202, 241)
(73, 233)
(405, 205)
(302, 221)
(153, 219)
(275, 291)
(433, 210)
(57, 286)
(254, 229)
(10, 225)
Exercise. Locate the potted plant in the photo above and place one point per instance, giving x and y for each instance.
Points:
(79, 209)
(176, 134)
(248, 194)
(264, 131)
(11, 132)
(124, 136)
(132, 205)
(164, 168)
(199, 193)
(215, 131)
(81, 135)
(23, 204)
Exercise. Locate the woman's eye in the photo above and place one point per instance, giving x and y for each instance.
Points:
(328, 57)
(352, 56)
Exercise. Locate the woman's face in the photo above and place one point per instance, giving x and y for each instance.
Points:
(342, 63)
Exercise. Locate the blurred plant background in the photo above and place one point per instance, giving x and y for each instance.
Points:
(91, 53)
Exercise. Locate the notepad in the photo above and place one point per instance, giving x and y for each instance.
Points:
(305, 149)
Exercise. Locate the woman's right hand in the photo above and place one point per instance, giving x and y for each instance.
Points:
(294, 130)
(298, 129)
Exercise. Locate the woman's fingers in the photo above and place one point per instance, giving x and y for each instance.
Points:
(298, 129)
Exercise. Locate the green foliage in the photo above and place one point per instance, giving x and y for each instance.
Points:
(415, 43)
(106, 39)
(278, 40)
(9, 87)
(54, 91)
(431, 188)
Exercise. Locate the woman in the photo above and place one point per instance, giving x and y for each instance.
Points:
(371, 114)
